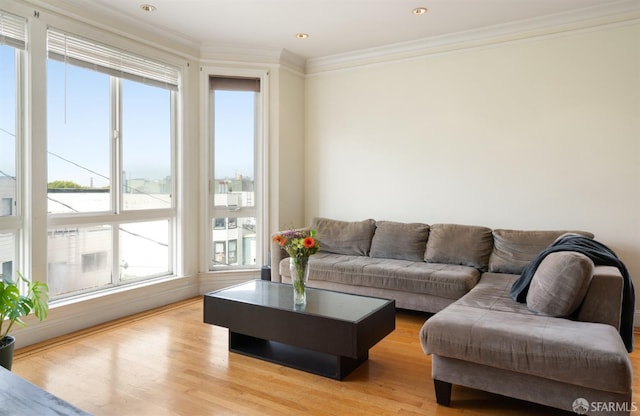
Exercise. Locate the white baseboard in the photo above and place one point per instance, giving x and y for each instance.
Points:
(77, 314)
(70, 316)
(211, 282)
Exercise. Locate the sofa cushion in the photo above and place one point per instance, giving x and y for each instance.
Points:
(344, 237)
(514, 249)
(487, 327)
(395, 240)
(467, 245)
(559, 284)
(444, 280)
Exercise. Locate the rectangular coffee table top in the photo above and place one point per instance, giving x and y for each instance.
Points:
(326, 303)
(330, 335)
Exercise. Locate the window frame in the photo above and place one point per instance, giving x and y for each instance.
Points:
(14, 36)
(118, 216)
(261, 167)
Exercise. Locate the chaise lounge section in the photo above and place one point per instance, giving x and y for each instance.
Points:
(487, 341)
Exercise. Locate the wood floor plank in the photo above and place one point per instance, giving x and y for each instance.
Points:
(168, 362)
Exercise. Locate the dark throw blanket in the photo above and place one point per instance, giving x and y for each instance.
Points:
(601, 255)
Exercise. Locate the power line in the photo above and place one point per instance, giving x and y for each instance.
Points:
(119, 227)
(62, 203)
(95, 173)
(128, 187)
(78, 165)
(3, 173)
(8, 132)
(143, 237)
(75, 210)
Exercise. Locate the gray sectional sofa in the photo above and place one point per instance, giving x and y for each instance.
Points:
(562, 347)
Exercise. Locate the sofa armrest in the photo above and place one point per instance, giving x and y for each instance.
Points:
(603, 301)
(277, 254)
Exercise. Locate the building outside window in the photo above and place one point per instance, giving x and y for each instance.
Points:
(111, 122)
(12, 44)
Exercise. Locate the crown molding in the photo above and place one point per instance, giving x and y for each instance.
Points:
(293, 61)
(251, 55)
(622, 12)
(121, 25)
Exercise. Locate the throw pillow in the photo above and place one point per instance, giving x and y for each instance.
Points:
(514, 249)
(344, 237)
(467, 245)
(560, 283)
(394, 240)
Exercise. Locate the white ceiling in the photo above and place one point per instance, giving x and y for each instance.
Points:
(334, 26)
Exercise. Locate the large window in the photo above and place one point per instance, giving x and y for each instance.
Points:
(236, 120)
(12, 43)
(110, 145)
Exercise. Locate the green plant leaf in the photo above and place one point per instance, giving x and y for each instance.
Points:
(14, 306)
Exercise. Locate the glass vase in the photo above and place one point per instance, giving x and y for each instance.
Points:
(299, 268)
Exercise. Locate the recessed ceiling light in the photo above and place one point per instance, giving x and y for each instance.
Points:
(302, 35)
(420, 10)
(148, 7)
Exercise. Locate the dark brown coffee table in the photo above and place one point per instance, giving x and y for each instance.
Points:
(330, 337)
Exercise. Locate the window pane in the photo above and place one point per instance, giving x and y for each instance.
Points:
(144, 250)
(79, 259)
(234, 241)
(78, 139)
(7, 252)
(234, 136)
(146, 143)
(7, 130)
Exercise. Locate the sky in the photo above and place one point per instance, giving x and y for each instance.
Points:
(79, 132)
(7, 112)
(234, 132)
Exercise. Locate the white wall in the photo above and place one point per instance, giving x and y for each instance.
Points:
(287, 168)
(541, 133)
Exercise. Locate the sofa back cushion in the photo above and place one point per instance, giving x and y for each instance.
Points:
(467, 245)
(344, 237)
(402, 241)
(514, 249)
(559, 284)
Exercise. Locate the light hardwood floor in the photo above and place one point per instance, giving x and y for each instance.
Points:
(168, 362)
